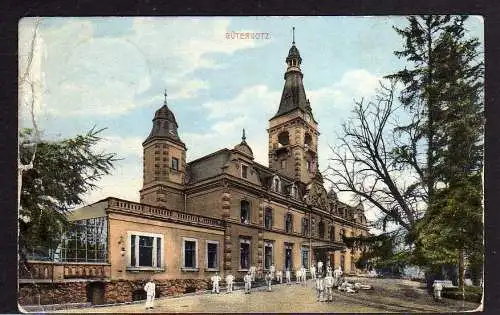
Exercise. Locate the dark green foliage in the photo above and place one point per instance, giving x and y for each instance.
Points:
(444, 93)
(62, 172)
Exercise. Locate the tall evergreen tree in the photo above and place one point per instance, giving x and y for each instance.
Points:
(445, 91)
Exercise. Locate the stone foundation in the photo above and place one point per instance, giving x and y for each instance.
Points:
(117, 291)
(52, 293)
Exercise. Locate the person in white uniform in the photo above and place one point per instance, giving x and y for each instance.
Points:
(248, 282)
(215, 283)
(288, 276)
(329, 288)
(313, 272)
(150, 289)
(229, 283)
(304, 275)
(298, 275)
(320, 267)
(279, 276)
(272, 269)
(253, 269)
(320, 286)
(438, 287)
(268, 281)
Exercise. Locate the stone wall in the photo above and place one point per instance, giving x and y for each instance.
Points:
(117, 291)
(52, 293)
(122, 290)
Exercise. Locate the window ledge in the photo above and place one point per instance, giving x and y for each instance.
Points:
(243, 270)
(189, 269)
(212, 269)
(142, 269)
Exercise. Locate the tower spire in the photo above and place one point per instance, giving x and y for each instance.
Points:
(243, 138)
(293, 35)
(165, 94)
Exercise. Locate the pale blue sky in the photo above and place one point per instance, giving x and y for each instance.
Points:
(111, 72)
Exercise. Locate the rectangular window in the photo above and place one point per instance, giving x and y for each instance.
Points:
(175, 163)
(268, 255)
(288, 256)
(245, 212)
(212, 255)
(146, 250)
(268, 218)
(244, 171)
(283, 164)
(305, 226)
(288, 223)
(244, 253)
(305, 257)
(190, 250)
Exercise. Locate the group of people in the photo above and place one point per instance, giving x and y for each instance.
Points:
(324, 285)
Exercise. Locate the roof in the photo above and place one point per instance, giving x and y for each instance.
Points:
(164, 126)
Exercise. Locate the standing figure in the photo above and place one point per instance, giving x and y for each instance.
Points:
(298, 275)
(229, 283)
(320, 287)
(279, 276)
(288, 276)
(329, 271)
(150, 289)
(313, 272)
(438, 287)
(320, 267)
(253, 269)
(248, 282)
(329, 288)
(215, 283)
(272, 269)
(337, 275)
(268, 281)
(304, 275)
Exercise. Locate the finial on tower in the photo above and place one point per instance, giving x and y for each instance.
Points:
(243, 138)
(165, 94)
(293, 35)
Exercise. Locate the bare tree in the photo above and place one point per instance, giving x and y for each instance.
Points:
(372, 162)
(28, 84)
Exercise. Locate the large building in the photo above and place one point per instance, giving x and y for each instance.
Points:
(223, 213)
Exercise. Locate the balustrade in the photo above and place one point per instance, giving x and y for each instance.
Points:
(171, 214)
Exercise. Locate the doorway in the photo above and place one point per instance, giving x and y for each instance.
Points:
(95, 293)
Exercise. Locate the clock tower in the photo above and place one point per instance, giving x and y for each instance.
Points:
(293, 131)
(164, 162)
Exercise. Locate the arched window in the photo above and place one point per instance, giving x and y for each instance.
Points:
(283, 138)
(268, 218)
(308, 140)
(245, 212)
(288, 223)
(321, 229)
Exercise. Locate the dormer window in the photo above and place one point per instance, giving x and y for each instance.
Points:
(293, 191)
(244, 171)
(276, 184)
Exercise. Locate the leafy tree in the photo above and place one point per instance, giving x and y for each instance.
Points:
(60, 174)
